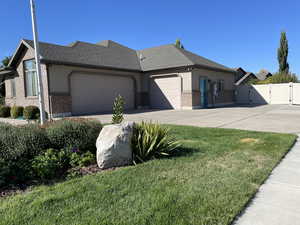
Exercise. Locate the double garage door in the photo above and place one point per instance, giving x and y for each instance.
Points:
(165, 92)
(94, 93)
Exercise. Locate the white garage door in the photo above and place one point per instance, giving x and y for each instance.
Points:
(165, 93)
(93, 93)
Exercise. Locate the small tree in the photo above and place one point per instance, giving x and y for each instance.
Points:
(118, 109)
(4, 63)
(178, 44)
(282, 54)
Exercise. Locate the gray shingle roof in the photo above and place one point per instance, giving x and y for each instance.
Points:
(162, 57)
(107, 54)
(111, 54)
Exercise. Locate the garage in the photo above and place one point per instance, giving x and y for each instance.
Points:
(165, 92)
(94, 93)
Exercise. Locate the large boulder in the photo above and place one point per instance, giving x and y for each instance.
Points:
(114, 145)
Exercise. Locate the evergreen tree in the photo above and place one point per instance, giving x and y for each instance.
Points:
(178, 44)
(282, 54)
(118, 109)
(4, 63)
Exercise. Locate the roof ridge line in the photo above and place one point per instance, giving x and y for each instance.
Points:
(153, 47)
(184, 54)
(139, 60)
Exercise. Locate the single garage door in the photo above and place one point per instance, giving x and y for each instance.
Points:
(93, 93)
(165, 93)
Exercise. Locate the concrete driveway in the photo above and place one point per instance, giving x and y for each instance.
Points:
(274, 118)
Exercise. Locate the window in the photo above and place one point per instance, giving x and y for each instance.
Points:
(30, 78)
(220, 85)
(13, 87)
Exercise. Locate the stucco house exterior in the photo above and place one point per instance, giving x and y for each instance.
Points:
(85, 78)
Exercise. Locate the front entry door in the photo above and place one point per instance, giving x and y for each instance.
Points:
(203, 92)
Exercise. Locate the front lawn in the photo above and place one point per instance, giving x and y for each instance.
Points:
(210, 182)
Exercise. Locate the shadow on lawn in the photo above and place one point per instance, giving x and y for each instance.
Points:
(184, 151)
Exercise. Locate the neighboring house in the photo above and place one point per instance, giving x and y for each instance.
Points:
(84, 78)
(240, 72)
(263, 74)
(243, 77)
(246, 78)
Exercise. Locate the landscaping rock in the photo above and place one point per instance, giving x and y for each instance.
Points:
(114, 145)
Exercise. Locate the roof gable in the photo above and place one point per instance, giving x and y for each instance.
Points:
(23, 45)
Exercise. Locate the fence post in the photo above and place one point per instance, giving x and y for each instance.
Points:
(270, 94)
(291, 93)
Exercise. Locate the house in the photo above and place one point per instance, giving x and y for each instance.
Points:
(240, 72)
(243, 77)
(263, 74)
(85, 78)
(246, 78)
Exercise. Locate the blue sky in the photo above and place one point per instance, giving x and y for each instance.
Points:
(233, 32)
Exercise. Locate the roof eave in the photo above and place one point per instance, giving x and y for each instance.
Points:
(169, 68)
(215, 68)
(7, 73)
(54, 62)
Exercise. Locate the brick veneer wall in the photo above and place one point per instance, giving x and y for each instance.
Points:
(61, 105)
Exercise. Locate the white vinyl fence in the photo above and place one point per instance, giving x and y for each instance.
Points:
(269, 94)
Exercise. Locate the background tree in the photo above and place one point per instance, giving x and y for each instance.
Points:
(178, 44)
(4, 63)
(282, 54)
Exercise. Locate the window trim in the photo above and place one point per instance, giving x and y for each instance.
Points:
(25, 79)
(13, 88)
(221, 85)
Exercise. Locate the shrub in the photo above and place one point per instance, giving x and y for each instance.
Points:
(151, 141)
(118, 110)
(2, 100)
(4, 172)
(53, 163)
(18, 145)
(4, 111)
(16, 111)
(283, 78)
(277, 78)
(31, 112)
(21, 142)
(85, 159)
(78, 135)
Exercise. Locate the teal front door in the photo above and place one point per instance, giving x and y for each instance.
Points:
(203, 92)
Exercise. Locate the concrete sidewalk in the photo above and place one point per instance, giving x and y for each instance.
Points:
(278, 200)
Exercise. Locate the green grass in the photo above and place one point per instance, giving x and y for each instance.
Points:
(210, 182)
